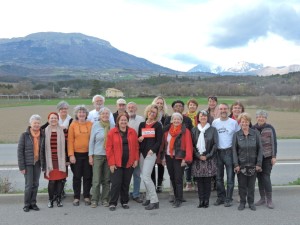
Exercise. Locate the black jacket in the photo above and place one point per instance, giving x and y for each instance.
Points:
(150, 143)
(247, 151)
(186, 120)
(211, 142)
(25, 150)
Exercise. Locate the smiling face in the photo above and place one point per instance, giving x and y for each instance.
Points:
(203, 119)
(236, 110)
(123, 122)
(53, 120)
(63, 112)
(261, 120)
(176, 120)
(131, 109)
(98, 103)
(178, 107)
(81, 115)
(35, 125)
(223, 111)
(104, 116)
(152, 114)
(121, 107)
(212, 103)
(192, 107)
(160, 104)
(244, 124)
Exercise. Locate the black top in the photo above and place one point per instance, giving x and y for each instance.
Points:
(150, 143)
(125, 155)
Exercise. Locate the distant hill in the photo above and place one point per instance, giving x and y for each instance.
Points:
(41, 51)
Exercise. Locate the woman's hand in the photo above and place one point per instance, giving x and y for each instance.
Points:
(258, 168)
(135, 164)
(237, 169)
(203, 157)
(23, 172)
(112, 168)
(183, 163)
(273, 161)
(141, 138)
(163, 162)
(72, 159)
(91, 160)
(150, 152)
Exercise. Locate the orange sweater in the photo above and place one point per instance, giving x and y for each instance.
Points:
(78, 137)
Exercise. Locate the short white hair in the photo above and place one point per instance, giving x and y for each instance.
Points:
(98, 96)
(176, 114)
(35, 117)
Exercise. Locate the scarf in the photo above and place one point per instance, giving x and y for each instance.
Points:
(106, 126)
(61, 154)
(201, 141)
(260, 128)
(36, 148)
(192, 117)
(65, 123)
(173, 131)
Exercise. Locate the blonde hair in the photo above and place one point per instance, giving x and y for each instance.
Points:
(165, 107)
(148, 108)
(245, 116)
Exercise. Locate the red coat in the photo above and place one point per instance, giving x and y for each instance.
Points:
(183, 142)
(114, 149)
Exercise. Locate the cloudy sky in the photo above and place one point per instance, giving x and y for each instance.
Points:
(178, 34)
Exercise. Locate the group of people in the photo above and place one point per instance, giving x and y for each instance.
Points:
(105, 150)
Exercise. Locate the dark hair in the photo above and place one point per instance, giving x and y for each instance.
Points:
(177, 101)
(237, 103)
(119, 116)
(192, 101)
(204, 112)
(215, 98)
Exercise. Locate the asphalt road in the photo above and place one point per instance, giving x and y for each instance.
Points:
(286, 212)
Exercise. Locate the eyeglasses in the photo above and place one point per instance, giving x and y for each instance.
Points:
(153, 112)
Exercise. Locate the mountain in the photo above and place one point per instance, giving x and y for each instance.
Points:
(68, 50)
(245, 68)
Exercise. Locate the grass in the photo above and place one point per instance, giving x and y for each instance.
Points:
(295, 182)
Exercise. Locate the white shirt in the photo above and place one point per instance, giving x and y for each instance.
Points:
(94, 116)
(226, 130)
(135, 122)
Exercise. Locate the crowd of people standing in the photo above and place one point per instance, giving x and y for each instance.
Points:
(106, 150)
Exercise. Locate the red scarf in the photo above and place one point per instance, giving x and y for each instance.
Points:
(174, 131)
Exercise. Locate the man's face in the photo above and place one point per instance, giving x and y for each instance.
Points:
(178, 107)
(223, 111)
(98, 102)
(131, 109)
(121, 107)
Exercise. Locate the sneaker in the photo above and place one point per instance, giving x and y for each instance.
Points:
(125, 206)
(76, 202)
(34, 207)
(87, 201)
(112, 208)
(219, 202)
(26, 209)
(228, 204)
(189, 186)
(241, 206)
(105, 204)
(94, 204)
(252, 207)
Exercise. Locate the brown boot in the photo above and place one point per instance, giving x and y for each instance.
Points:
(269, 200)
(262, 199)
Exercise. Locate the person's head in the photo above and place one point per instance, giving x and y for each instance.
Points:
(104, 114)
(212, 102)
(176, 119)
(131, 108)
(98, 101)
(80, 112)
(261, 117)
(224, 108)
(161, 103)
(53, 118)
(202, 117)
(245, 120)
(151, 112)
(62, 108)
(35, 122)
(237, 108)
(121, 105)
(122, 120)
(192, 105)
(178, 106)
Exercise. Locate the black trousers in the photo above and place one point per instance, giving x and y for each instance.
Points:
(160, 175)
(32, 177)
(176, 172)
(82, 169)
(246, 188)
(264, 177)
(204, 188)
(120, 181)
(55, 188)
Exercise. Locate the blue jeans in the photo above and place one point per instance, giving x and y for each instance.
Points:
(136, 182)
(225, 158)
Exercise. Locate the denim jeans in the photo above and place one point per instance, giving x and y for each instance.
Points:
(264, 177)
(225, 158)
(32, 177)
(136, 182)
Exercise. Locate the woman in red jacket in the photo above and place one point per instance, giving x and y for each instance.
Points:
(177, 150)
(122, 154)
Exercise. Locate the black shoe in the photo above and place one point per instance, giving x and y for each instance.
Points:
(201, 204)
(206, 204)
(26, 208)
(59, 203)
(112, 207)
(63, 194)
(219, 202)
(137, 199)
(34, 207)
(228, 203)
(177, 204)
(241, 207)
(252, 207)
(159, 189)
(125, 206)
(152, 206)
(145, 203)
(50, 203)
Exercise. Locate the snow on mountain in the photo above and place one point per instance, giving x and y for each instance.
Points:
(244, 67)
